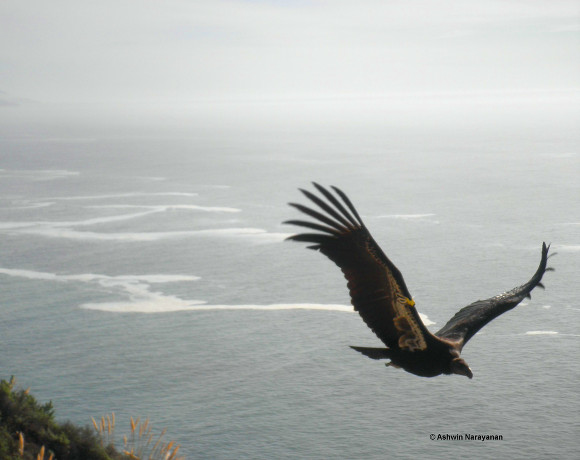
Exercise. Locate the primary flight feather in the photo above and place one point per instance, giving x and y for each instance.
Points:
(379, 294)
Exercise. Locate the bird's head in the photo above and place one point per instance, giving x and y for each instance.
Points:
(459, 366)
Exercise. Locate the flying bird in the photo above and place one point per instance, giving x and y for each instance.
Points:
(379, 293)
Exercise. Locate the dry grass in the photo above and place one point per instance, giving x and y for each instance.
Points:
(41, 452)
(141, 444)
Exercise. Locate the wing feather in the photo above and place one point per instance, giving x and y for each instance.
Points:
(348, 203)
(330, 197)
(470, 319)
(313, 226)
(317, 215)
(377, 288)
(327, 208)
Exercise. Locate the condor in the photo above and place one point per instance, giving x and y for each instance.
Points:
(378, 292)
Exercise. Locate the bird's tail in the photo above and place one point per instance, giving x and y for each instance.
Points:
(374, 353)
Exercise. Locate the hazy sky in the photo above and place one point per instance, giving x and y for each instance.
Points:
(137, 53)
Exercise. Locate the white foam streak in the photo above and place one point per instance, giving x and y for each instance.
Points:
(158, 278)
(405, 216)
(541, 333)
(122, 195)
(90, 277)
(76, 235)
(568, 247)
(75, 223)
(43, 204)
(136, 287)
(38, 174)
(98, 220)
(169, 207)
(426, 320)
(257, 235)
(411, 217)
(156, 303)
(143, 300)
(65, 229)
(108, 219)
(13, 225)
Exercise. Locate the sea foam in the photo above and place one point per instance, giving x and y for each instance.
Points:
(89, 277)
(568, 247)
(122, 195)
(38, 174)
(170, 304)
(142, 299)
(405, 216)
(68, 229)
(169, 207)
(256, 235)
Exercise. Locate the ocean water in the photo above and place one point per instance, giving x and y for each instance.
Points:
(143, 271)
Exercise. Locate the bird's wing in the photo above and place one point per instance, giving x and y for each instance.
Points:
(377, 289)
(467, 321)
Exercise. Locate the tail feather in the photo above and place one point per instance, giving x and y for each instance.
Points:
(374, 353)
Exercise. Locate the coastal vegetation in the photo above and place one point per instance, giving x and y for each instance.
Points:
(29, 431)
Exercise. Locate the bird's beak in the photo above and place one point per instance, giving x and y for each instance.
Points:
(465, 371)
(459, 366)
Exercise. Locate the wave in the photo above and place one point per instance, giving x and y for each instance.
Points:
(117, 218)
(122, 195)
(70, 229)
(410, 217)
(256, 235)
(568, 247)
(169, 207)
(90, 277)
(551, 333)
(541, 333)
(66, 229)
(171, 304)
(74, 223)
(143, 300)
(41, 204)
(405, 216)
(38, 174)
(136, 287)
(157, 278)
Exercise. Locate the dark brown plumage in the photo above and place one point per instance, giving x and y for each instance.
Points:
(378, 292)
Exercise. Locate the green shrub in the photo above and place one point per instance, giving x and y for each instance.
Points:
(27, 426)
(28, 431)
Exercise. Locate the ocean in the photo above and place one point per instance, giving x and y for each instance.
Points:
(143, 271)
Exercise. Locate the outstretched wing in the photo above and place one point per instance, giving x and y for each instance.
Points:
(377, 289)
(467, 321)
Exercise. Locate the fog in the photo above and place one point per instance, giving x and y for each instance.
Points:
(127, 62)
